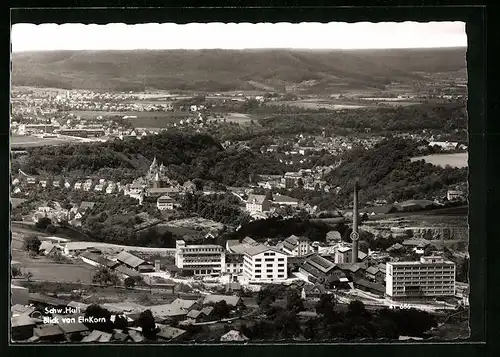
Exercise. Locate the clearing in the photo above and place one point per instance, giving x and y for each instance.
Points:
(458, 160)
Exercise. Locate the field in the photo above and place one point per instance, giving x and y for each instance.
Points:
(16, 201)
(238, 118)
(32, 141)
(453, 160)
(321, 104)
(44, 269)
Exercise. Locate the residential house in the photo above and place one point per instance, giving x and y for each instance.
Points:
(195, 316)
(234, 263)
(373, 273)
(22, 327)
(70, 328)
(52, 333)
(98, 336)
(233, 287)
(85, 206)
(257, 203)
(282, 200)
(169, 333)
(56, 183)
(208, 312)
(110, 188)
(47, 248)
(297, 246)
(18, 310)
(136, 336)
(99, 187)
(19, 295)
(78, 186)
(231, 300)
(313, 292)
(454, 195)
(67, 184)
(30, 181)
(44, 183)
(172, 312)
(166, 203)
(87, 185)
(234, 336)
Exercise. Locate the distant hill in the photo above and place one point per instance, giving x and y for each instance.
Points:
(221, 70)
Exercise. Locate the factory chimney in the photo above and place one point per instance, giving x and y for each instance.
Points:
(355, 217)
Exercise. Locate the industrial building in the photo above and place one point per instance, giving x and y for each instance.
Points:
(431, 277)
(207, 259)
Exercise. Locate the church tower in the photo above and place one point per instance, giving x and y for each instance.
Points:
(154, 166)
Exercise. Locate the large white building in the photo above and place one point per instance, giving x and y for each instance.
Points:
(264, 264)
(207, 259)
(430, 277)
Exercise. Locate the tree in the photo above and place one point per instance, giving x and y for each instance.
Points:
(356, 309)
(129, 282)
(32, 244)
(221, 309)
(293, 301)
(105, 276)
(287, 325)
(120, 322)
(147, 322)
(43, 223)
(101, 316)
(15, 271)
(326, 306)
(51, 229)
(300, 183)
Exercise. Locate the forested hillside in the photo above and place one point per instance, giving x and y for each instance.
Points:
(220, 70)
(186, 156)
(387, 172)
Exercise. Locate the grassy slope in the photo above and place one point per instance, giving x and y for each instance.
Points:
(225, 69)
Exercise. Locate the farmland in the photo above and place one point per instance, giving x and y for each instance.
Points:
(454, 160)
(32, 141)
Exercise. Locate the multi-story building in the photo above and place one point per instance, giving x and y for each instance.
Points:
(430, 277)
(264, 264)
(200, 259)
(234, 263)
(166, 203)
(297, 246)
(257, 203)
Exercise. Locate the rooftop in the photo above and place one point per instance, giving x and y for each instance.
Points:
(129, 259)
(231, 300)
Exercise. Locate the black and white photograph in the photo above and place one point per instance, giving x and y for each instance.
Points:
(239, 183)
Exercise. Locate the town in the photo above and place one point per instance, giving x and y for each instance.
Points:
(239, 216)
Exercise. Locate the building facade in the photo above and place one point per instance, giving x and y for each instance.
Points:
(257, 203)
(208, 260)
(430, 277)
(297, 246)
(264, 264)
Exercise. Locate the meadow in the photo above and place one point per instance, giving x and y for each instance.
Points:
(454, 160)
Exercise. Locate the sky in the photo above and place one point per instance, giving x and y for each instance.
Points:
(335, 35)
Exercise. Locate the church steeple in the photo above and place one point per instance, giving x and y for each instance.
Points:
(154, 165)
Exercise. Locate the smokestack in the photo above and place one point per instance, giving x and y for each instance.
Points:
(355, 233)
